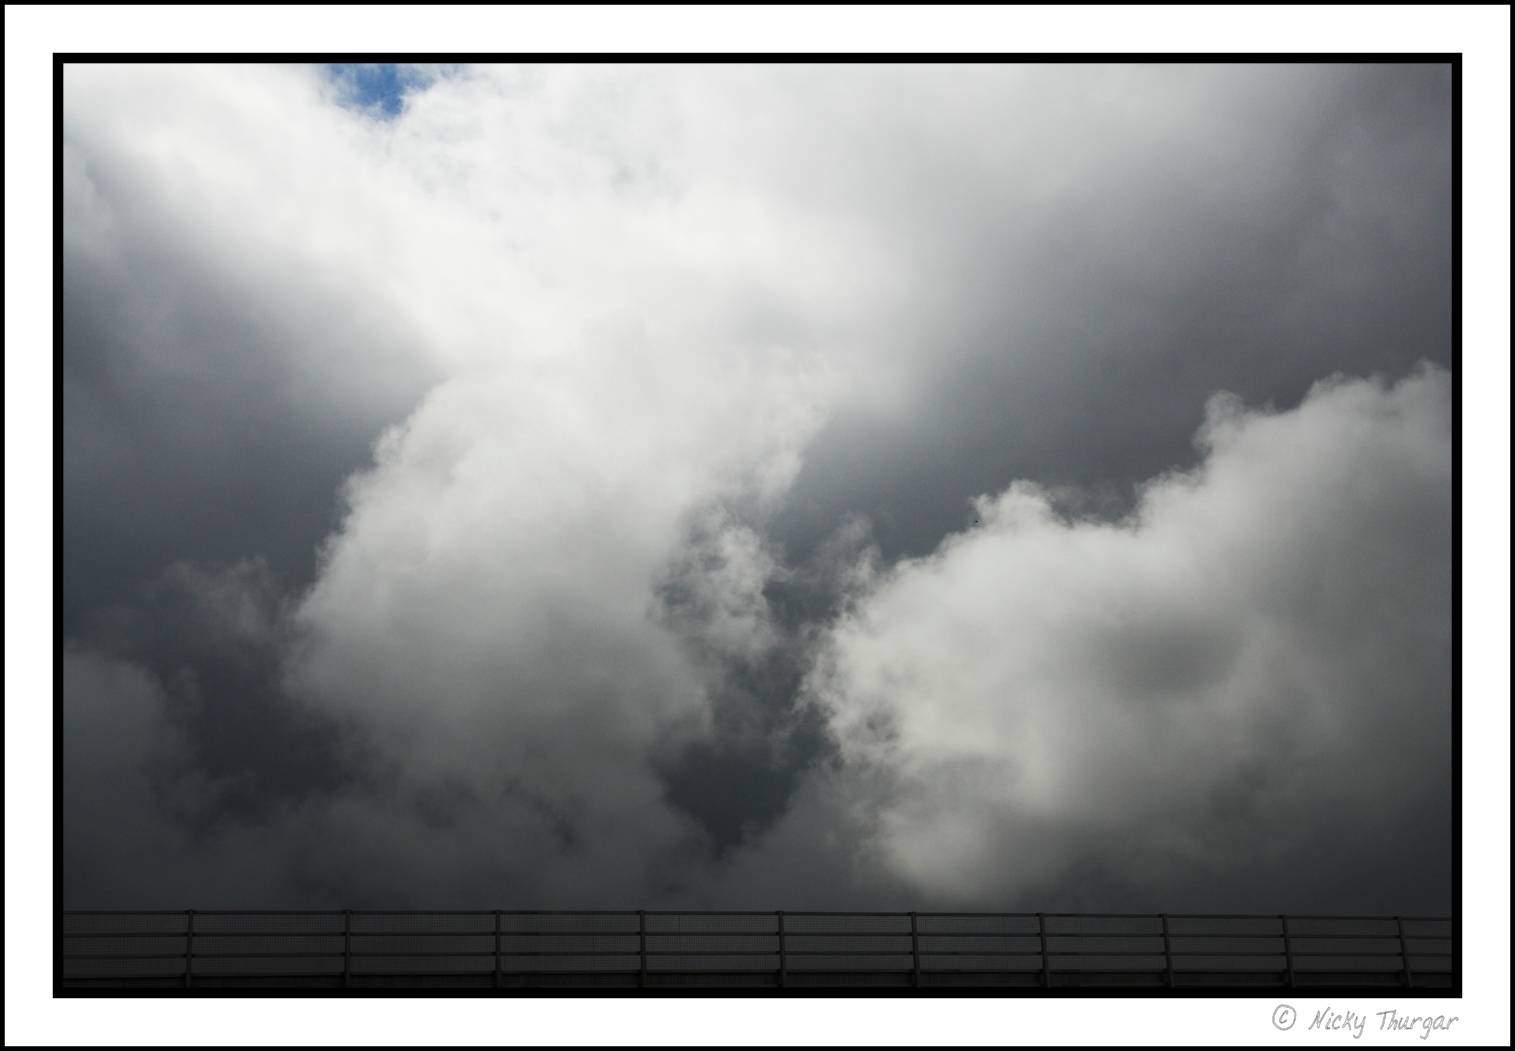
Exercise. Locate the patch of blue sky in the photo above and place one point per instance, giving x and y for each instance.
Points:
(379, 88)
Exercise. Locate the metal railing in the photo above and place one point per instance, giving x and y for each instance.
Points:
(504, 949)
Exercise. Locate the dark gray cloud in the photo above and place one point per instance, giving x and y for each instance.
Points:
(483, 503)
(215, 638)
(217, 390)
(1297, 224)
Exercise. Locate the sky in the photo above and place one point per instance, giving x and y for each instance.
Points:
(1018, 487)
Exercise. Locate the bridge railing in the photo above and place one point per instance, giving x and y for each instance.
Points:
(509, 949)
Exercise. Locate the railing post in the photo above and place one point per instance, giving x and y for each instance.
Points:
(496, 948)
(915, 953)
(346, 948)
(1167, 952)
(642, 947)
(1288, 949)
(1041, 934)
(783, 953)
(189, 947)
(1404, 951)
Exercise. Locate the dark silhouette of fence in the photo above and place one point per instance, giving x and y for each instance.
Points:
(782, 950)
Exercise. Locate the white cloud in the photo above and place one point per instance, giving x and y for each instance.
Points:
(1266, 640)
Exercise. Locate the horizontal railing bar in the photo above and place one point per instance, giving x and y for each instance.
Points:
(504, 912)
(820, 912)
(578, 933)
(127, 934)
(200, 978)
(517, 934)
(207, 912)
(723, 953)
(291, 954)
(630, 969)
(1337, 937)
(530, 955)
(123, 912)
(1292, 916)
(717, 912)
(924, 952)
(1365, 955)
(337, 975)
(1111, 916)
(708, 953)
(119, 981)
(337, 954)
(735, 912)
(788, 933)
(504, 933)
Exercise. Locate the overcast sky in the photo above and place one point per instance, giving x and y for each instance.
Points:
(961, 486)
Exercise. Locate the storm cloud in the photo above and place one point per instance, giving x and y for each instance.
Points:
(1019, 486)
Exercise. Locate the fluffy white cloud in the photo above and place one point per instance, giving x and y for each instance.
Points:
(1262, 647)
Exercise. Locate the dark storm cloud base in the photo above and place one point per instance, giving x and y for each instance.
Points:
(506, 950)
